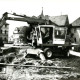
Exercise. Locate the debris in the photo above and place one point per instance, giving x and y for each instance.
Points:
(37, 52)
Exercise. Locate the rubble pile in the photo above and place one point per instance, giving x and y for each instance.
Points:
(36, 73)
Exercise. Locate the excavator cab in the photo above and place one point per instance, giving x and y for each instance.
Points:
(50, 35)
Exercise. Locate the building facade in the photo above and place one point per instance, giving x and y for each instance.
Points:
(75, 30)
(4, 32)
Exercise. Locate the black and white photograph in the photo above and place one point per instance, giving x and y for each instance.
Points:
(39, 40)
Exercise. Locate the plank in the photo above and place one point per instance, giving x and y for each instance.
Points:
(38, 66)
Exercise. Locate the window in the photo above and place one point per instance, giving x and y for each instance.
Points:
(47, 34)
(5, 31)
(5, 39)
(60, 34)
(1, 31)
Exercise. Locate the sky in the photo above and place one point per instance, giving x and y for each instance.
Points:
(50, 7)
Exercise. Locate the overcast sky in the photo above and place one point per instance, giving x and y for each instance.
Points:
(50, 7)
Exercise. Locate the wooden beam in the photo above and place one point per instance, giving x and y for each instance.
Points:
(55, 67)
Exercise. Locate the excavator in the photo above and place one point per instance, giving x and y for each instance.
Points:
(23, 18)
(52, 40)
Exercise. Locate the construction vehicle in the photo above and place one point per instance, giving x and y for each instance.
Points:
(51, 39)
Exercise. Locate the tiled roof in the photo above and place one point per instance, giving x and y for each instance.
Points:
(76, 23)
(61, 20)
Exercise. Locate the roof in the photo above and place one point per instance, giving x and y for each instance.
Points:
(76, 23)
(46, 17)
(61, 20)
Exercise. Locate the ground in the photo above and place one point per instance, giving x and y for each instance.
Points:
(63, 69)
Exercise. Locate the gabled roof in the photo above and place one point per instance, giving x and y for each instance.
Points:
(76, 23)
(61, 20)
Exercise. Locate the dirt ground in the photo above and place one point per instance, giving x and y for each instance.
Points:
(58, 72)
